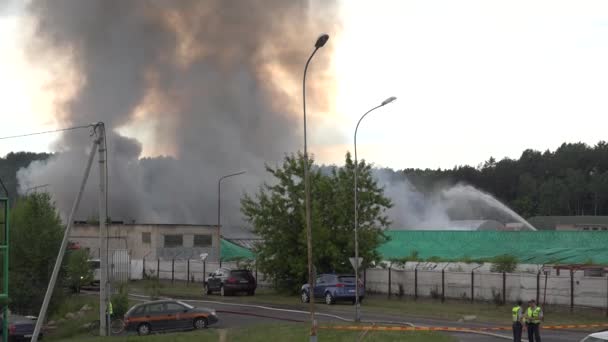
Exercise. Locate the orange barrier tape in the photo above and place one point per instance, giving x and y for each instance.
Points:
(397, 328)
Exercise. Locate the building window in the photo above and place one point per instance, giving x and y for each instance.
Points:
(202, 240)
(146, 237)
(174, 241)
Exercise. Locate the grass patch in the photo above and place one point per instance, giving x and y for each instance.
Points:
(205, 335)
(407, 306)
(299, 332)
(69, 327)
(278, 332)
(74, 327)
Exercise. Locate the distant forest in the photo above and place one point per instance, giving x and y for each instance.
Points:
(572, 180)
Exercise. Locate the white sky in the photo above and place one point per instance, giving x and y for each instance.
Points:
(474, 79)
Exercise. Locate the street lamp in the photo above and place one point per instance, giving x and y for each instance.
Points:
(313, 330)
(219, 208)
(357, 304)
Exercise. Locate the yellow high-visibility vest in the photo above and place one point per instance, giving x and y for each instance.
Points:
(533, 315)
(516, 313)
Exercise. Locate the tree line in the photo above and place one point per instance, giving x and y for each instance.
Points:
(572, 180)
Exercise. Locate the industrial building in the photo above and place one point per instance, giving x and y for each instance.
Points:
(151, 241)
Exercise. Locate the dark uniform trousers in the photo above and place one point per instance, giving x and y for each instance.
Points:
(517, 328)
(533, 332)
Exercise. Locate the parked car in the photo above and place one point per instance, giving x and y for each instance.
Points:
(167, 315)
(596, 337)
(95, 265)
(20, 328)
(227, 282)
(332, 288)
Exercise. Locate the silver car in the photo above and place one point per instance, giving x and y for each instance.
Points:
(596, 337)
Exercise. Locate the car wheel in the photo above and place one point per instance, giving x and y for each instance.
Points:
(251, 292)
(207, 289)
(143, 329)
(305, 298)
(329, 299)
(360, 300)
(200, 323)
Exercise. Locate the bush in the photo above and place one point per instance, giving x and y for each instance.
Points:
(79, 272)
(504, 263)
(120, 301)
(435, 294)
(152, 286)
(497, 297)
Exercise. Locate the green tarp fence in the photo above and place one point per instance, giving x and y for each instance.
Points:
(232, 251)
(540, 247)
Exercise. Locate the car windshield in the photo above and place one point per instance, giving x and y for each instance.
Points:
(346, 279)
(186, 305)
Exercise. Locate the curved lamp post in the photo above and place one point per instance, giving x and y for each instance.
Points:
(313, 330)
(219, 191)
(357, 304)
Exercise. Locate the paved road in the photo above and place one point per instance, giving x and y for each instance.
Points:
(235, 315)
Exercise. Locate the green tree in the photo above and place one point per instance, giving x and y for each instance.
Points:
(504, 263)
(36, 234)
(277, 214)
(79, 271)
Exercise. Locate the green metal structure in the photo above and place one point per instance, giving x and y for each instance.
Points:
(533, 247)
(4, 253)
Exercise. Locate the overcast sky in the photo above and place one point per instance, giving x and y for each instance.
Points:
(474, 79)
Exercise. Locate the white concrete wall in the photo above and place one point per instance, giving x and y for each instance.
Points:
(588, 291)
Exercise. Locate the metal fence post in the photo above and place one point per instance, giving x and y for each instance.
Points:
(416, 282)
(504, 288)
(188, 273)
(607, 295)
(472, 286)
(172, 270)
(158, 268)
(389, 281)
(538, 288)
(571, 290)
(443, 285)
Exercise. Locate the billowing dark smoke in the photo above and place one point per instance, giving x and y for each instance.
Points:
(214, 83)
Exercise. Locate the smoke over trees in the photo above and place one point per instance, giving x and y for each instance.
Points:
(210, 86)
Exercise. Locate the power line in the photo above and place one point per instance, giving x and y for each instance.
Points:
(46, 132)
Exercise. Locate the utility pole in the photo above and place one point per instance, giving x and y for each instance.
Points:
(103, 231)
(64, 244)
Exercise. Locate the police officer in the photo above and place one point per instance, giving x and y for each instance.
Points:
(534, 315)
(518, 315)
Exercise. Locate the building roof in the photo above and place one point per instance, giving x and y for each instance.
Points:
(549, 222)
(534, 247)
(231, 251)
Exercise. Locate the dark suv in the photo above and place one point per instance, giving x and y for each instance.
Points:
(227, 282)
(332, 288)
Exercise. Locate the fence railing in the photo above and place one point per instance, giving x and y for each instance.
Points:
(571, 289)
(188, 270)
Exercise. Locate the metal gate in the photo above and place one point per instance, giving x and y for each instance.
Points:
(120, 266)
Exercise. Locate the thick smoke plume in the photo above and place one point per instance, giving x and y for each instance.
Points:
(212, 85)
